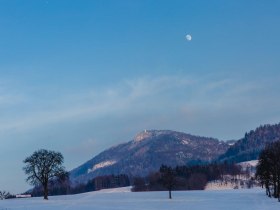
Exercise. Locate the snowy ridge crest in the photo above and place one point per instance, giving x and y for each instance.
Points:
(147, 134)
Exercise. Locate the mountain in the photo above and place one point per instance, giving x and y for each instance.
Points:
(249, 147)
(150, 149)
(147, 152)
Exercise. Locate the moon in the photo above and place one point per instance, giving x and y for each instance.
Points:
(188, 37)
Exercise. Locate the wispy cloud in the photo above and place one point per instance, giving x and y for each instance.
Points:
(168, 96)
(91, 103)
(150, 86)
(9, 96)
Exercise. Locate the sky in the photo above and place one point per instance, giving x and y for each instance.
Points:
(81, 76)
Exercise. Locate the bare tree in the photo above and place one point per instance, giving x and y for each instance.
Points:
(42, 166)
(168, 177)
(4, 195)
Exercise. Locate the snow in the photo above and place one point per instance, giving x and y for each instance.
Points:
(252, 163)
(123, 199)
(101, 165)
(216, 185)
(142, 136)
(185, 142)
(249, 166)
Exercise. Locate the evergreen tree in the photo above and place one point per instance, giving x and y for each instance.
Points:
(268, 169)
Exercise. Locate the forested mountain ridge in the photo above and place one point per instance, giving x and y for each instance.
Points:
(250, 146)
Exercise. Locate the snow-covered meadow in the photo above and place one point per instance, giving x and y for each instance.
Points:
(123, 199)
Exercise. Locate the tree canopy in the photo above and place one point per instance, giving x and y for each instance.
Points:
(268, 169)
(42, 166)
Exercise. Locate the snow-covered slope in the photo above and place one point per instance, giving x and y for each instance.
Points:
(122, 199)
(230, 182)
(251, 163)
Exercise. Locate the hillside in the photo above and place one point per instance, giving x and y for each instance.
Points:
(249, 147)
(148, 151)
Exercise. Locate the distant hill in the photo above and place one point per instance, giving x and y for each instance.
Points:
(148, 151)
(249, 147)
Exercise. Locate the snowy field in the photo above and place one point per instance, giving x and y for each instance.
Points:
(122, 199)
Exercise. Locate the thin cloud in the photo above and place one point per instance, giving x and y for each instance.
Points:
(143, 96)
(94, 104)
(9, 96)
(150, 86)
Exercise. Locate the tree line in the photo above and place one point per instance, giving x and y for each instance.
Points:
(268, 169)
(45, 171)
(185, 177)
(65, 187)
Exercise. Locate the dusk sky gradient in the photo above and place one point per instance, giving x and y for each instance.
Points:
(81, 76)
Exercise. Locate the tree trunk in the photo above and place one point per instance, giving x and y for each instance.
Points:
(267, 189)
(278, 190)
(268, 192)
(46, 191)
(274, 189)
(170, 197)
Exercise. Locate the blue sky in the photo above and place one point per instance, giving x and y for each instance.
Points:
(80, 76)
